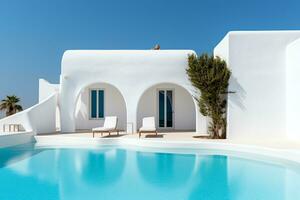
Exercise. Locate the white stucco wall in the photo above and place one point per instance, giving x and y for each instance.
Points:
(131, 71)
(114, 105)
(258, 63)
(293, 89)
(46, 89)
(222, 49)
(184, 107)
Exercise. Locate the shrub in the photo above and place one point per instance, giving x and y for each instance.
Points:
(210, 75)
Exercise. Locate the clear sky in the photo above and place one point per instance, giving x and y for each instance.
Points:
(35, 33)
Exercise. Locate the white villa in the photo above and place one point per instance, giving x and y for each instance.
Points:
(129, 84)
(133, 84)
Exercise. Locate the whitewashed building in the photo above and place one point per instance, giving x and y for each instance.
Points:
(132, 84)
(129, 84)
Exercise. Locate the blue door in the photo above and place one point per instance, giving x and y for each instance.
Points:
(165, 108)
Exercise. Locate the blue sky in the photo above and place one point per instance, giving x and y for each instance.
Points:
(35, 33)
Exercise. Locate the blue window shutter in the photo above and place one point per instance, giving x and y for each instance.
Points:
(93, 103)
(161, 99)
(169, 108)
(101, 104)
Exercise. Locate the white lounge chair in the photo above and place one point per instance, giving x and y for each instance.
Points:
(148, 126)
(110, 125)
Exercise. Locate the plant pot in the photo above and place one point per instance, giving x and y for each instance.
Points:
(220, 132)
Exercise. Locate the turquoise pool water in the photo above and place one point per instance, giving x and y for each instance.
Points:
(115, 173)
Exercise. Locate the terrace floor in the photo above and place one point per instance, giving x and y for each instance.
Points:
(190, 137)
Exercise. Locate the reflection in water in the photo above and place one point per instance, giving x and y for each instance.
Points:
(163, 169)
(71, 174)
(16, 153)
(89, 172)
(105, 168)
(210, 180)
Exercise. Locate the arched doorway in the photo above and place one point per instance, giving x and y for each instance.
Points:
(96, 101)
(172, 106)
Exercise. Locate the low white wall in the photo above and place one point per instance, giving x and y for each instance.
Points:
(184, 107)
(114, 105)
(39, 118)
(12, 139)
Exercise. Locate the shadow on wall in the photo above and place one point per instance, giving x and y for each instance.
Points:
(237, 98)
(81, 114)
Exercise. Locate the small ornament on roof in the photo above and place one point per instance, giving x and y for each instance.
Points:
(156, 47)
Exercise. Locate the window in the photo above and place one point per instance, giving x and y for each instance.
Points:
(96, 103)
(165, 108)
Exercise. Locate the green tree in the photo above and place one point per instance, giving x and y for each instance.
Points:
(10, 105)
(210, 75)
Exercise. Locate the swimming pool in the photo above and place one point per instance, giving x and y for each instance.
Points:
(29, 173)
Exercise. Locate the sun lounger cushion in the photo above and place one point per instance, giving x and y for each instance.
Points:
(148, 124)
(110, 123)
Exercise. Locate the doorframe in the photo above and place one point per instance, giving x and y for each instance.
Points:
(97, 101)
(173, 108)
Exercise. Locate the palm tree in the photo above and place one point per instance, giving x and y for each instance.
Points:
(10, 105)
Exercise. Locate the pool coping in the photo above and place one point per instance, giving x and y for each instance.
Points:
(51, 141)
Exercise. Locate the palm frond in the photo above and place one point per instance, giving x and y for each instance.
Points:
(10, 105)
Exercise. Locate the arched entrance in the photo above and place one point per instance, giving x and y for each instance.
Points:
(172, 106)
(96, 101)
